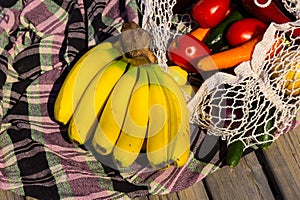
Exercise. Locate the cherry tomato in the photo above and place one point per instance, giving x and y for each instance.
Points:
(186, 50)
(209, 13)
(243, 30)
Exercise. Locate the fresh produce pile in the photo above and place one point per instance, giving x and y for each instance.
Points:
(117, 102)
(225, 36)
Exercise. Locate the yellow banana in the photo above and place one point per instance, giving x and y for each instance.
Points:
(179, 144)
(179, 133)
(188, 90)
(111, 119)
(132, 136)
(80, 76)
(85, 116)
(182, 158)
(158, 129)
(179, 74)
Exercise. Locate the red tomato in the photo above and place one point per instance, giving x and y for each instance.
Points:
(243, 30)
(186, 50)
(209, 13)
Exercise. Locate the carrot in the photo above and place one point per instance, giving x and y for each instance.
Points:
(229, 58)
(200, 33)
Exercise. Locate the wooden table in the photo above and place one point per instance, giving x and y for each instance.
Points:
(270, 174)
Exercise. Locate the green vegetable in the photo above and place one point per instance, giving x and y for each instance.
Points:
(265, 138)
(234, 153)
(217, 37)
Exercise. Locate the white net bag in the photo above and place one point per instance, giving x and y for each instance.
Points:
(261, 101)
(160, 21)
(292, 6)
(257, 104)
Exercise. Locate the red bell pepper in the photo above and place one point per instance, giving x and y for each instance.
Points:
(268, 14)
(186, 50)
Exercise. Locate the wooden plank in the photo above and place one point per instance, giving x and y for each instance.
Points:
(8, 195)
(195, 192)
(283, 164)
(245, 181)
(171, 196)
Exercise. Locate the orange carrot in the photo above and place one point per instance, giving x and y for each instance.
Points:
(200, 33)
(229, 58)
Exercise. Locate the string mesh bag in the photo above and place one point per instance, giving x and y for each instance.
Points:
(261, 99)
(292, 6)
(163, 25)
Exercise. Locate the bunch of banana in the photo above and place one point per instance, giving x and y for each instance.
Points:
(118, 108)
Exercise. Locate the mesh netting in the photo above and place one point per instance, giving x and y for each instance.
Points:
(260, 102)
(163, 25)
(257, 104)
(293, 6)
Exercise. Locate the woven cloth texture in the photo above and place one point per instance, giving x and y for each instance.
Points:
(40, 42)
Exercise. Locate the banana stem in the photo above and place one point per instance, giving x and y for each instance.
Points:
(135, 44)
